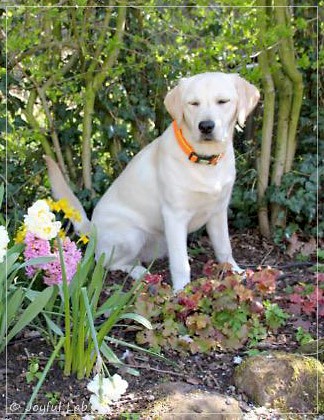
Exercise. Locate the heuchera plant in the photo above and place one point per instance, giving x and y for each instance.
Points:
(307, 298)
(219, 310)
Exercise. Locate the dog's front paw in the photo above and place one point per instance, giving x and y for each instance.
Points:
(179, 285)
(238, 269)
(138, 272)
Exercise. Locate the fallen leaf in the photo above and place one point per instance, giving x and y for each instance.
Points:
(193, 381)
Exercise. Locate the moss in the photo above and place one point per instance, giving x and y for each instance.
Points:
(287, 382)
(321, 406)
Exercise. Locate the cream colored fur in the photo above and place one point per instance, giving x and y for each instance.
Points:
(161, 196)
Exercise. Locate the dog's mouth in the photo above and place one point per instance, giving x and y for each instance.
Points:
(210, 138)
(207, 137)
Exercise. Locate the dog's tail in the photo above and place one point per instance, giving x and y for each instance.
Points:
(60, 189)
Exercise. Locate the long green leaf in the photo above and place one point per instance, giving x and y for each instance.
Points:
(90, 320)
(109, 354)
(91, 244)
(81, 275)
(112, 302)
(54, 327)
(138, 318)
(138, 348)
(7, 267)
(1, 194)
(14, 304)
(37, 261)
(91, 357)
(31, 312)
(114, 360)
(96, 283)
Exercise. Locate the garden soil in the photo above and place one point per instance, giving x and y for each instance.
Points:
(61, 396)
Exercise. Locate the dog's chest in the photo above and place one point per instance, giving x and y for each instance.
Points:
(201, 205)
(207, 186)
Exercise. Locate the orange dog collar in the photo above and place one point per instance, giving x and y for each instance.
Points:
(189, 151)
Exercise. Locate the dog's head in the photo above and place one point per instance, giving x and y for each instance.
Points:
(208, 105)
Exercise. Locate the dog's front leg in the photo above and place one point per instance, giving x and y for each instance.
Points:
(217, 229)
(176, 230)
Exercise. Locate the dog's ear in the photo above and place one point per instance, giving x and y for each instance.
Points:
(173, 103)
(248, 97)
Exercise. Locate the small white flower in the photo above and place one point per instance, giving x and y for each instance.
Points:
(100, 405)
(105, 390)
(186, 338)
(126, 354)
(119, 387)
(4, 240)
(41, 221)
(237, 360)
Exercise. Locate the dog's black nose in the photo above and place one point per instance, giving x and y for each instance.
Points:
(206, 127)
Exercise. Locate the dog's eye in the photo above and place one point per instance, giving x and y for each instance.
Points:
(222, 101)
(194, 103)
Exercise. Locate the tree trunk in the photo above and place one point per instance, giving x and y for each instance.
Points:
(88, 108)
(290, 87)
(265, 153)
(281, 77)
(284, 88)
(287, 58)
(29, 114)
(94, 81)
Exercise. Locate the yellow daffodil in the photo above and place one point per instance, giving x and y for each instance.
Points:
(20, 235)
(64, 206)
(84, 239)
(62, 234)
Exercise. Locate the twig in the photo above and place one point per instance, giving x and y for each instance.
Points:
(297, 264)
(267, 255)
(168, 372)
(283, 266)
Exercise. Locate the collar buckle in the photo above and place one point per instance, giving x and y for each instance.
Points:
(193, 157)
(205, 160)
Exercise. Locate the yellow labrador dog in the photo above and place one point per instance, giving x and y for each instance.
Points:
(175, 185)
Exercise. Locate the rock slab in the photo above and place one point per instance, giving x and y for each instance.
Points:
(290, 383)
(179, 401)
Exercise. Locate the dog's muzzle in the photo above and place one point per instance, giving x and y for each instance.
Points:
(206, 127)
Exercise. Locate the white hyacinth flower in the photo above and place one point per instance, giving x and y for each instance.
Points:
(41, 221)
(105, 390)
(4, 240)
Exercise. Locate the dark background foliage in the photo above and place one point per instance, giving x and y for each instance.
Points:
(50, 57)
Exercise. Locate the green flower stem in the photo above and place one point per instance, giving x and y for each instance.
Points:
(76, 321)
(67, 316)
(43, 376)
(80, 342)
(92, 328)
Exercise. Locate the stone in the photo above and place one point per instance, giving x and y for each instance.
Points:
(181, 401)
(290, 383)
